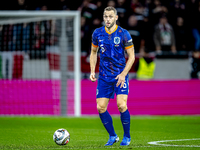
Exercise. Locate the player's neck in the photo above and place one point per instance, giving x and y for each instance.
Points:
(110, 30)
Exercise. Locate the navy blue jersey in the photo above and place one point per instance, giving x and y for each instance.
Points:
(112, 48)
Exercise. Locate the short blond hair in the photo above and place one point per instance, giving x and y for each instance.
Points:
(110, 9)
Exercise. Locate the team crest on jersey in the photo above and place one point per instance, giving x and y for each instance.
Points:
(117, 40)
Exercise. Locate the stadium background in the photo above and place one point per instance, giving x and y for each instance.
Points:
(174, 90)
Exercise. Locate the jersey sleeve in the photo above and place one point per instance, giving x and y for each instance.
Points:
(128, 42)
(94, 39)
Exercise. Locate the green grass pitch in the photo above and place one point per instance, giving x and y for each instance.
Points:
(36, 133)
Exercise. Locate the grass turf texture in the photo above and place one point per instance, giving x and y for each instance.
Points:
(88, 132)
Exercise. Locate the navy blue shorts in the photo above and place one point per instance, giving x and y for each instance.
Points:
(107, 89)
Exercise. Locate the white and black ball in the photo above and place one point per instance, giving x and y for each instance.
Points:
(61, 136)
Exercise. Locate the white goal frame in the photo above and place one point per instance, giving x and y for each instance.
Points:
(37, 16)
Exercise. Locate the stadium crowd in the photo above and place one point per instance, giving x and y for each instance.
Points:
(158, 26)
(153, 24)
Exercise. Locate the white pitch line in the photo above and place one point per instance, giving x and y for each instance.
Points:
(158, 142)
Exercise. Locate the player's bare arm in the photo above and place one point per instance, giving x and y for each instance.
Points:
(131, 59)
(93, 61)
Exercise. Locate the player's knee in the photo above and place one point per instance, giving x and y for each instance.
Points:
(122, 107)
(101, 108)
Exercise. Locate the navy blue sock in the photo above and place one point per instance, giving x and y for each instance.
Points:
(106, 119)
(125, 119)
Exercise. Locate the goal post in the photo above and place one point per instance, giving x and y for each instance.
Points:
(66, 54)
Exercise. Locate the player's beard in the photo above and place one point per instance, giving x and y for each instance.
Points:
(111, 25)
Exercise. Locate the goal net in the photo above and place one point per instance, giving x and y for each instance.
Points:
(40, 63)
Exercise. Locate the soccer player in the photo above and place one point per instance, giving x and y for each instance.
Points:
(112, 41)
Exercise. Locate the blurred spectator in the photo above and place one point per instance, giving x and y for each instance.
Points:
(164, 38)
(52, 29)
(147, 32)
(40, 39)
(191, 20)
(62, 5)
(122, 11)
(111, 3)
(74, 4)
(1, 47)
(177, 8)
(18, 5)
(1, 37)
(16, 37)
(147, 42)
(1, 76)
(87, 10)
(134, 28)
(96, 23)
(136, 6)
(85, 35)
(195, 73)
(180, 34)
(44, 8)
(145, 67)
(147, 6)
(157, 10)
(37, 35)
(26, 37)
(38, 4)
(99, 10)
(6, 51)
(196, 28)
(138, 9)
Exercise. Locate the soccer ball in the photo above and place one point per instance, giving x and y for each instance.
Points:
(61, 136)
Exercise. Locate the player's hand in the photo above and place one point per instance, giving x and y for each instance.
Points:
(121, 80)
(92, 77)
